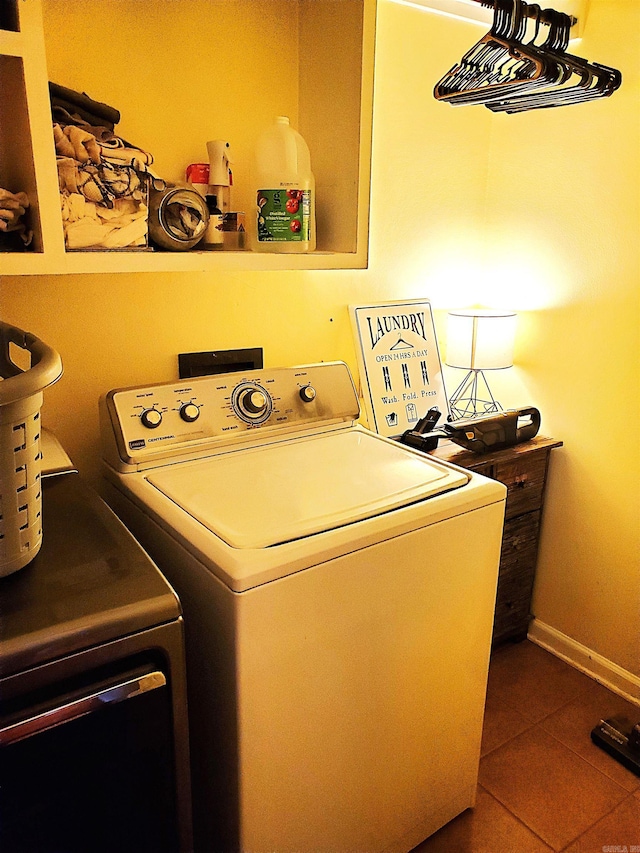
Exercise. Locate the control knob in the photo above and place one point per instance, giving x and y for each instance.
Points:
(189, 412)
(253, 402)
(151, 418)
(308, 394)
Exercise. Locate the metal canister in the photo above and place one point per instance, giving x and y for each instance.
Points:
(178, 217)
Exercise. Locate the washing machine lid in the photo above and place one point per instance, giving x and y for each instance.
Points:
(267, 495)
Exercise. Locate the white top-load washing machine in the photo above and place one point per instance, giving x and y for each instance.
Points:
(338, 592)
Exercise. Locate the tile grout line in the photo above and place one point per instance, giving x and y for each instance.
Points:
(577, 696)
(517, 818)
(531, 724)
(505, 742)
(590, 763)
(600, 819)
(627, 794)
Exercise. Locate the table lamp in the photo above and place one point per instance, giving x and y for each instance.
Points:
(478, 340)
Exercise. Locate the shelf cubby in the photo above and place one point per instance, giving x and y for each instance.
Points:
(181, 73)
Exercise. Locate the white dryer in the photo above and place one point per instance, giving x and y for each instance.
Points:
(338, 592)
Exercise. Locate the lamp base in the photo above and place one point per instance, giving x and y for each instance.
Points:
(465, 401)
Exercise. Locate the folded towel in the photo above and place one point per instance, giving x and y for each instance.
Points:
(104, 135)
(88, 225)
(13, 207)
(79, 103)
(129, 155)
(102, 183)
(76, 142)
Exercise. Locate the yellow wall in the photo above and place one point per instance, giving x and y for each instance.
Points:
(537, 212)
(564, 196)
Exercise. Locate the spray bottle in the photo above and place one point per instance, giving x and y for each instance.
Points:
(220, 175)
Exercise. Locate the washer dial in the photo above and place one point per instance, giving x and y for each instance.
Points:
(307, 393)
(151, 418)
(189, 412)
(251, 403)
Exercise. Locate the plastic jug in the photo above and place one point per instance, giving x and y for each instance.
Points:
(285, 191)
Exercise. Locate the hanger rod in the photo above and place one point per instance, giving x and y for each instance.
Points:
(530, 11)
(479, 11)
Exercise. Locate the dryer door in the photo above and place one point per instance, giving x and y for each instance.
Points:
(270, 494)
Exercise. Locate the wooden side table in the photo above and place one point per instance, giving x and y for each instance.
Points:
(523, 470)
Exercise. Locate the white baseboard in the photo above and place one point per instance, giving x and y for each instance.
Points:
(596, 666)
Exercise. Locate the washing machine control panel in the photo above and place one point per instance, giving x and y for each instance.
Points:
(208, 412)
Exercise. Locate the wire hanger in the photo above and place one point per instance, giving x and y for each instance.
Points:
(509, 71)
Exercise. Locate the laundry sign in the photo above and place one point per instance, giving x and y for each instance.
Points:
(399, 364)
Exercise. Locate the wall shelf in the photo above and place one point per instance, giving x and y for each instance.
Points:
(61, 262)
(333, 112)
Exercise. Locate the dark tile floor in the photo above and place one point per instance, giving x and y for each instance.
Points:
(544, 786)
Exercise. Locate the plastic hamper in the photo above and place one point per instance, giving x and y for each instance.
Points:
(20, 457)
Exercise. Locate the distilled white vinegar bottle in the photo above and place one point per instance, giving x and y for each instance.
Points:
(285, 218)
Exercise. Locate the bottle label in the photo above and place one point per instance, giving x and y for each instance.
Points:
(284, 216)
(213, 234)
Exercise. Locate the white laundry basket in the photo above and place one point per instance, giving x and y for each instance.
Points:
(20, 457)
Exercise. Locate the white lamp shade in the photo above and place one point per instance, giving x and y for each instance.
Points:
(480, 340)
